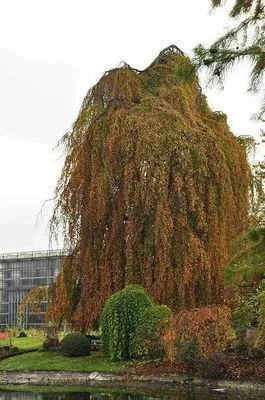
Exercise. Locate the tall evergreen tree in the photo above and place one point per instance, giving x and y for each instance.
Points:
(244, 41)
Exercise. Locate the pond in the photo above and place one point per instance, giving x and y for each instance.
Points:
(84, 394)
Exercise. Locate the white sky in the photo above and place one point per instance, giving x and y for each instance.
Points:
(51, 52)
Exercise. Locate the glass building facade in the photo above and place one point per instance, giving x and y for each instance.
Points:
(19, 273)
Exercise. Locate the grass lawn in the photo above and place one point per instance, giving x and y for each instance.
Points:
(33, 342)
(53, 361)
(64, 389)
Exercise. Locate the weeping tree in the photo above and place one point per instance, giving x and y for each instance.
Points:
(153, 189)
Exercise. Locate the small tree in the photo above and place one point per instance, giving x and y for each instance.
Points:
(51, 341)
(120, 319)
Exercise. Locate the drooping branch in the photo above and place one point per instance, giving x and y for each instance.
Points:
(153, 189)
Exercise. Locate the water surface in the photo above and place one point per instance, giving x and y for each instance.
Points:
(83, 394)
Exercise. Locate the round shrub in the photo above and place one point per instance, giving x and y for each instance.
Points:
(149, 339)
(120, 319)
(75, 344)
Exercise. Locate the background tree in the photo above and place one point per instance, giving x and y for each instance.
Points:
(258, 194)
(257, 182)
(247, 266)
(246, 275)
(245, 41)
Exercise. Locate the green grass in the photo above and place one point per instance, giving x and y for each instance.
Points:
(147, 390)
(34, 342)
(64, 389)
(55, 361)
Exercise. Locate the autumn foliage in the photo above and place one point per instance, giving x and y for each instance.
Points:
(153, 189)
(209, 326)
(5, 335)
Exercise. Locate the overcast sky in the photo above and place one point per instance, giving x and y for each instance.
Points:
(51, 52)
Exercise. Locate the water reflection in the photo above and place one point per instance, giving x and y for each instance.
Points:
(176, 395)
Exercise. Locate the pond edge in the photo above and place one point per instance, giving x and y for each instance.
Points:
(105, 380)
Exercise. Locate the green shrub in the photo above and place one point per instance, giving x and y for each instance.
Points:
(75, 344)
(148, 340)
(120, 318)
(189, 352)
(22, 334)
(245, 313)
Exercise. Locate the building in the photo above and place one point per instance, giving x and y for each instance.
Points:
(19, 273)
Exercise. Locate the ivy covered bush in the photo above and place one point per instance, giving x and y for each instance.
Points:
(75, 344)
(149, 339)
(132, 324)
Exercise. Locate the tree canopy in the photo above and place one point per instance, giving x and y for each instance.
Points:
(154, 188)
